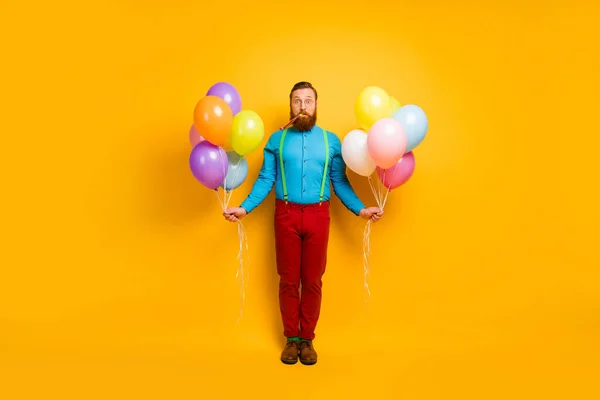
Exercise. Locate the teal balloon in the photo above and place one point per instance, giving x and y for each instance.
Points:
(415, 124)
(237, 171)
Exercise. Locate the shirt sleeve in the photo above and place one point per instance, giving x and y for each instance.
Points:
(341, 185)
(265, 181)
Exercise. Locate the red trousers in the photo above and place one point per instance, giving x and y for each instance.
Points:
(301, 239)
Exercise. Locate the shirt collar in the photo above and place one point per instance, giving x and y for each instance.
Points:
(291, 129)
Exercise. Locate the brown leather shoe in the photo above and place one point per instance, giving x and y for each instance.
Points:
(308, 355)
(289, 355)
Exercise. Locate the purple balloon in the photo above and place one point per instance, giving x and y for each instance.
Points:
(209, 164)
(399, 173)
(227, 92)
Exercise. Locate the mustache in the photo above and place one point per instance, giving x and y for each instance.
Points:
(291, 121)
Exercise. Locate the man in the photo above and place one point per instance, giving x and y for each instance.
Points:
(312, 159)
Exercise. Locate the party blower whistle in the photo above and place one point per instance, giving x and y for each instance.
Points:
(292, 120)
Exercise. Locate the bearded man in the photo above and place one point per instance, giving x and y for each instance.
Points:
(302, 161)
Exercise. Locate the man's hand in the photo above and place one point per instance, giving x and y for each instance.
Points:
(234, 214)
(372, 213)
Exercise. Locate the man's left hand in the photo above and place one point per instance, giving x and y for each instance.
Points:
(372, 213)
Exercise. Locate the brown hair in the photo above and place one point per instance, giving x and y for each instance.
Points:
(303, 85)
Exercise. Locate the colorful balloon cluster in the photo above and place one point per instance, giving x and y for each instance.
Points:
(387, 136)
(221, 136)
(385, 141)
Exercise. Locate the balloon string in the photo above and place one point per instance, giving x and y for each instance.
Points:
(221, 201)
(243, 243)
(374, 192)
(387, 192)
(366, 256)
(230, 192)
(381, 187)
(240, 272)
(381, 202)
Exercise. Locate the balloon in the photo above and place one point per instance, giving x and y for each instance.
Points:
(386, 142)
(372, 104)
(415, 124)
(212, 118)
(399, 173)
(247, 132)
(195, 137)
(355, 153)
(208, 164)
(228, 93)
(395, 104)
(236, 172)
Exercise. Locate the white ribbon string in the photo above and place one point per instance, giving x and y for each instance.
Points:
(230, 192)
(374, 192)
(366, 255)
(381, 202)
(387, 192)
(240, 274)
(221, 201)
(380, 185)
(243, 243)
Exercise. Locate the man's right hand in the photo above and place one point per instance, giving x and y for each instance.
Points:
(234, 214)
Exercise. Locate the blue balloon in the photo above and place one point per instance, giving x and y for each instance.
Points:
(237, 171)
(415, 124)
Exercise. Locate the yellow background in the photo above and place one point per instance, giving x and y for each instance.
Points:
(485, 278)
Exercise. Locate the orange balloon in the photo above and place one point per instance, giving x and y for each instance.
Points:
(213, 119)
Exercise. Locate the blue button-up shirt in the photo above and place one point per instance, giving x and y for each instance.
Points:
(304, 162)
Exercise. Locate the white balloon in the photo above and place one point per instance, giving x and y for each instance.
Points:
(355, 153)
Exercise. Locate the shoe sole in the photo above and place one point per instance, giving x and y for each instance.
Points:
(289, 362)
(311, 362)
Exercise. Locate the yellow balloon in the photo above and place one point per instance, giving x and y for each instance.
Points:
(372, 104)
(395, 104)
(247, 132)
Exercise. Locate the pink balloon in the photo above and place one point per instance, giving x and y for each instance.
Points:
(195, 137)
(399, 173)
(386, 142)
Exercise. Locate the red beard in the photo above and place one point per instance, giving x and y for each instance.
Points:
(305, 122)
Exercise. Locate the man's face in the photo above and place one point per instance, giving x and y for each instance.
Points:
(304, 100)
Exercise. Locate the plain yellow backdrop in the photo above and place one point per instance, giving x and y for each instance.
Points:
(484, 280)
